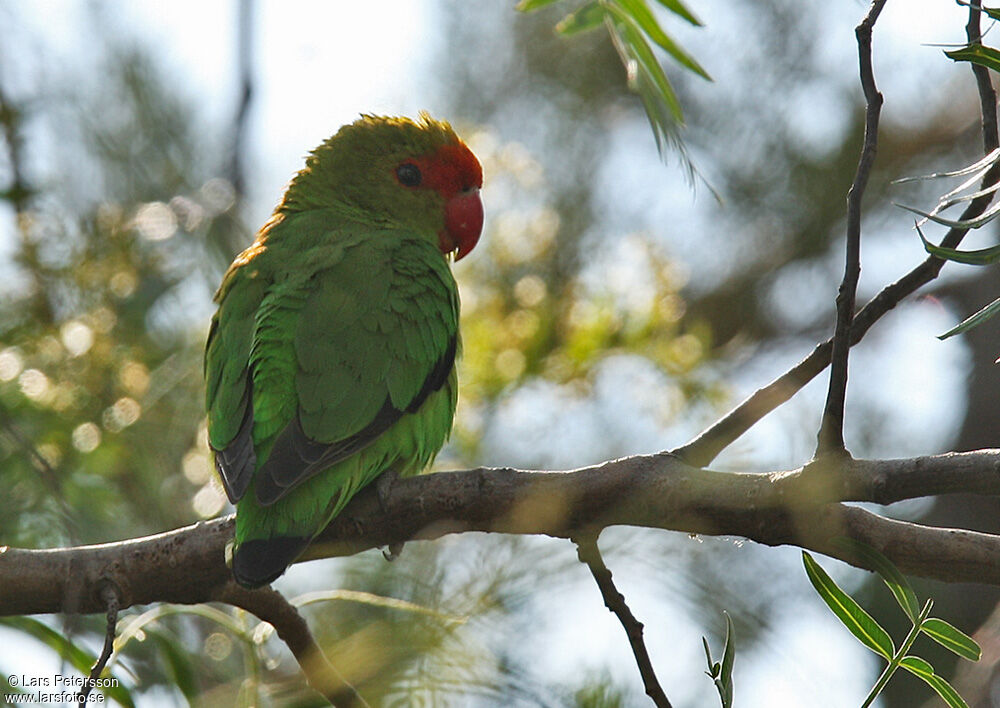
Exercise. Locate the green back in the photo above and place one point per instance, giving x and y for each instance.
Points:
(332, 338)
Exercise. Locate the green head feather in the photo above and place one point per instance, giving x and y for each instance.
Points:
(356, 173)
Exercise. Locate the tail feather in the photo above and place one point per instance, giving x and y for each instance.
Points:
(260, 561)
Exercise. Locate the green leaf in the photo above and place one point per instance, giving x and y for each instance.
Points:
(5, 688)
(861, 624)
(637, 49)
(977, 54)
(178, 663)
(918, 667)
(993, 12)
(78, 658)
(973, 320)
(897, 583)
(532, 5)
(588, 17)
(726, 669)
(952, 638)
(368, 598)
(982, 256)
(678, 8)
(972, 223)
(982, 164)
(644, 18)
(713, 667)
(721, 673)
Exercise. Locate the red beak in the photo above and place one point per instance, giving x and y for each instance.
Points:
(463, 223)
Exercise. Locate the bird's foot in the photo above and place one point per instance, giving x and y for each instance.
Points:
(383, 487)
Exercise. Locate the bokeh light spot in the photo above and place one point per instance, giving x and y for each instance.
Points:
(86, 437)
(156, 221)
(11, 364)
(76, 337)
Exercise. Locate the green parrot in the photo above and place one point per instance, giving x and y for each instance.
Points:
(331, 357)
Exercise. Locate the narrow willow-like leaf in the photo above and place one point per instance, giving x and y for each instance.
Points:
(663, 109)
(640, 51)
(973, 223)
(994, 13)
(588, 17)
(721, 672)
(644, 18)
(949, 200)
(678, 8)
(861, 624)
(982, 256)
(919, 667)
(726, 669)
(973, 320)
(897, 583)
(532, 5)
(713, 667)
(78, 658)
(981, 164)
(7, 688)
(661, 121)
(951, 638)
(977, 54)
(368, 598)
(178, 663)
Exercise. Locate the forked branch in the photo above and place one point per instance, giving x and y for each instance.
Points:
(831, 432)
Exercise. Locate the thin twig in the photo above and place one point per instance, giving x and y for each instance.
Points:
(111, 598)
(831, 432)
(244, 62)
(589, 554)
(987, 96)
(272, 607)
(709, 443)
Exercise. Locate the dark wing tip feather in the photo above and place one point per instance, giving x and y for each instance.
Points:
(235, 462)
(262, 561)
(437, 376)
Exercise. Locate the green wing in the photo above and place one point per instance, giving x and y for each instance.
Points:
(313, 355)
(360, 342)
(228, 392)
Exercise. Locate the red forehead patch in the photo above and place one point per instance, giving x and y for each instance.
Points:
(450, 170)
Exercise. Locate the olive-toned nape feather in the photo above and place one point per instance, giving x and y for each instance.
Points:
(358, 146)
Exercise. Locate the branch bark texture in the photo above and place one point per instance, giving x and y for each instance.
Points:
(802, 507)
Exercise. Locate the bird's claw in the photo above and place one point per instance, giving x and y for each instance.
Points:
(392, 551)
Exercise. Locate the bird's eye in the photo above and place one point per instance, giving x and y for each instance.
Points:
(408, 175)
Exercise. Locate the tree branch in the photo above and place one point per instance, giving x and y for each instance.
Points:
(590, 555)
(987, 96)
(709, 443)
(272, 607)
(656, 491)
(110, 596)
(831, 432)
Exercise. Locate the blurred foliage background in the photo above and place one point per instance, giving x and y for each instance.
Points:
(612, 308)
